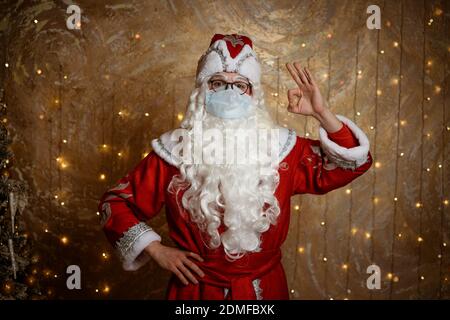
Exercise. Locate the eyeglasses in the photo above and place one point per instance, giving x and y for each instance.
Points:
(219, 85)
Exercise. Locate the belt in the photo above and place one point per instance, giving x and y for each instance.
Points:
(238, 275)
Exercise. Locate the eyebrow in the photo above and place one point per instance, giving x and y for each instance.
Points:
(238, 78)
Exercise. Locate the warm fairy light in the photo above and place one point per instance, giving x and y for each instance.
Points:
(390, 275)
(64, 141)
(7, 65)
(119, 154)
(359, 71)
(367, 234)
(97, 213)
(146, 114)
(120, 113)
(418, 204)
(395, 198)
(440, 166)
(348, 191)
(163, 45)
(39, 71)
(446, 202)
(102, 176)
(428, 169)
(106, 289)
(395, 81)
(438, 11)
(437, 89)
(375, 200)
(62, 203)
(377, 164)
(65, 77)
(379, 92)
(303, 45)
(301, 249)
(419, 239)
(180, 116)
(354, 231)
(422, 278)
(56, 196)
(41, 116)
(444, 244)
(325, 259)
(382, 51)
(430, 22)
(137, 36)
(399, 235)
(105, 255)
(292, 290)
(372, 127)
(402, 154)
(329, 36)
(428, 98)
(46, 230)
(56, 101)
(345, 266)
(96, 290)
(307, 134)
(358, 113)
(429, 63)
(325, 75)
(64, 165)
(402, 122)
(297, 207)
(64, 240)
(395, 44)
(59, 159)
(35, 21)
(322, 223)
(104, 146)
(396, 279)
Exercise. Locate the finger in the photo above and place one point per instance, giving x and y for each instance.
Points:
(294, 96)
(294, 74)
(194, 267)
(187, 273)
(180, 276)
(196, 256)
(300, 72)
(313, 81)
(307, 75)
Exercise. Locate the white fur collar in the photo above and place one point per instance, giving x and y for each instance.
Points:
(163, 145)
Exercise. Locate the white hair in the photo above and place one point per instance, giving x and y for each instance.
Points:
(237, 195)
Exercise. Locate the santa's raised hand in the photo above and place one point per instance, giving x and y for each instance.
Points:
(307, 100)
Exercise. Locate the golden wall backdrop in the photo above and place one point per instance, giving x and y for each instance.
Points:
(85, 104)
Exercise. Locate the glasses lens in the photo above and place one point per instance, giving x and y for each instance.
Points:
(217, 85)
(241, 86)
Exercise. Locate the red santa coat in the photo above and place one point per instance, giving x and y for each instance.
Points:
(311, 166)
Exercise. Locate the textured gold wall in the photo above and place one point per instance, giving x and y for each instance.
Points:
(65, 89)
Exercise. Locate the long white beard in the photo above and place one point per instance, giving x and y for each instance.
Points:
(239, 195)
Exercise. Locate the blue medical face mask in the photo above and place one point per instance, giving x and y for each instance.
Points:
(228, 104)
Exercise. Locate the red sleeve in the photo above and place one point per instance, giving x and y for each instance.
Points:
(315, 173)
(135, 198)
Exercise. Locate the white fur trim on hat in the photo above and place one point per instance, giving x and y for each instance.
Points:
(218, 59)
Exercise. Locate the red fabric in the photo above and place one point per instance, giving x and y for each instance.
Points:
(235, 42)
(300, 172)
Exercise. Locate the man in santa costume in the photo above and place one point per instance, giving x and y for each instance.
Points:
(228, 221)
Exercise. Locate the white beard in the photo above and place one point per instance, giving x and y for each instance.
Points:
(238, 195)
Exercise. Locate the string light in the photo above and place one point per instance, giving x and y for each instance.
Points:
(35, 21)
(137, 36)
(146, 114)
(303, 45)
(39, 71)
(7, 65)
(102, 176)
(301, 249)
(367, 234)
(325, 259)
(297, 207)
(64, 240)
(419, 239)
(354, 231)
(345, 266)
(348, 191)
(180, 116)
(395, 44)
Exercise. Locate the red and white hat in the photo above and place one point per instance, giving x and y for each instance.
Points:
(229, 53)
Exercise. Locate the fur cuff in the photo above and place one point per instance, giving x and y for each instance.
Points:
(132, 244)
(348, 158)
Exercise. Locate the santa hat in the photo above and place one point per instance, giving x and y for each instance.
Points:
(229, 53)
